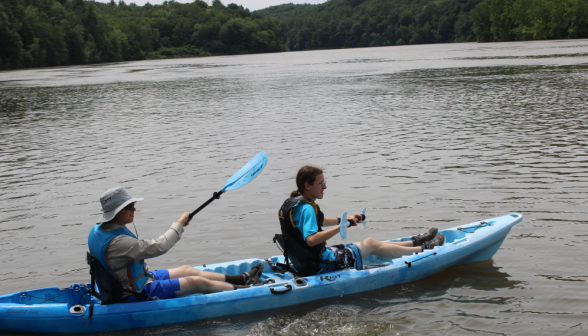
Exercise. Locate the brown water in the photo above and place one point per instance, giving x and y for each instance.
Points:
(433, 135)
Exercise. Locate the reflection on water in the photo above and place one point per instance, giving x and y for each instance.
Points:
(422, 135)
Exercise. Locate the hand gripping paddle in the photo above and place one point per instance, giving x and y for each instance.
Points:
(241, 178)
(343, 228)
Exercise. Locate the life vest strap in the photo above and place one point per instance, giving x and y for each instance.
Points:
(114, 270)
(126, 282)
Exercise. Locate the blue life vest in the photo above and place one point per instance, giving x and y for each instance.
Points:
(98, 241)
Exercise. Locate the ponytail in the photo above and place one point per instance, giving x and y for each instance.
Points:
(294, 193)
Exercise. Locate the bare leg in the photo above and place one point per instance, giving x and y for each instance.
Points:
(184, 271)
(196, 281)
(404, 243)
(195, 284)
(382, 249)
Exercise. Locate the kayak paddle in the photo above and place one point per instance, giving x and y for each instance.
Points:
(343, 225)
(245, 175)
(348, 223)
(363, 217)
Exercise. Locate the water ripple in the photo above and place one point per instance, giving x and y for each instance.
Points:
(422, 135)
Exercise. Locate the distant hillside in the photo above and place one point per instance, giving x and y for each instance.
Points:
(288, 11)
(363, 23)
(38, 33)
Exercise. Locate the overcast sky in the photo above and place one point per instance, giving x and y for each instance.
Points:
(251, 4)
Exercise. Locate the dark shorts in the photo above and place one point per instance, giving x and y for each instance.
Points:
(347, 256)
(163, 287)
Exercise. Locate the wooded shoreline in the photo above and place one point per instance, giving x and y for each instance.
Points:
(39, 33)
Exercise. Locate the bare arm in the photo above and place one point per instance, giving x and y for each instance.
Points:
(335, 221)
(323, 236)
(330, 221)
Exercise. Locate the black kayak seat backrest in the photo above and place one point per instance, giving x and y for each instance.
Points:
(109, 289)
(304, 261)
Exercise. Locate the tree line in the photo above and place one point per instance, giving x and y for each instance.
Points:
(38, 33)
(364, 23)
(520, 20)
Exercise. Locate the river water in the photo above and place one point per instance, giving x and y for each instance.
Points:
(431, 135)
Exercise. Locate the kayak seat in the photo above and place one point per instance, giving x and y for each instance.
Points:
(304, 262)
(103, 285)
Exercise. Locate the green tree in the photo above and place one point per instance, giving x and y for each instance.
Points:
(522, 14)
(76, 46)
(482, 25)
(10, 43)
(463, 28)
(577, 16)
(501, 20)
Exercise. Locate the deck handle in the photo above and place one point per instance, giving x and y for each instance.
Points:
(288, 288)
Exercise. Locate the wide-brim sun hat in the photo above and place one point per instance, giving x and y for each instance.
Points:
(113, 201)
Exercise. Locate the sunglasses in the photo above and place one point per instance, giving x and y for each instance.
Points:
(130, 206)
(324, 183)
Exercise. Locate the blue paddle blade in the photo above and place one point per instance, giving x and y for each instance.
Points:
(343, 225)
(247, 173)
(363, 213)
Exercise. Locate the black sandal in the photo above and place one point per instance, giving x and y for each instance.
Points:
(252, 280)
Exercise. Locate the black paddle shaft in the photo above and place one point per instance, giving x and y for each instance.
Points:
(352, 222)
(215, 195)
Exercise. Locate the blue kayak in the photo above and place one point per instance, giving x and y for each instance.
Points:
(55, 310)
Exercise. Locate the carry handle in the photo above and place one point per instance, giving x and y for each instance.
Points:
(288, 288)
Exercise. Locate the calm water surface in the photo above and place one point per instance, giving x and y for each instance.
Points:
(435, 135)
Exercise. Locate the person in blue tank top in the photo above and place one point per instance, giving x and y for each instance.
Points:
(309, 220)
(122, 254)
